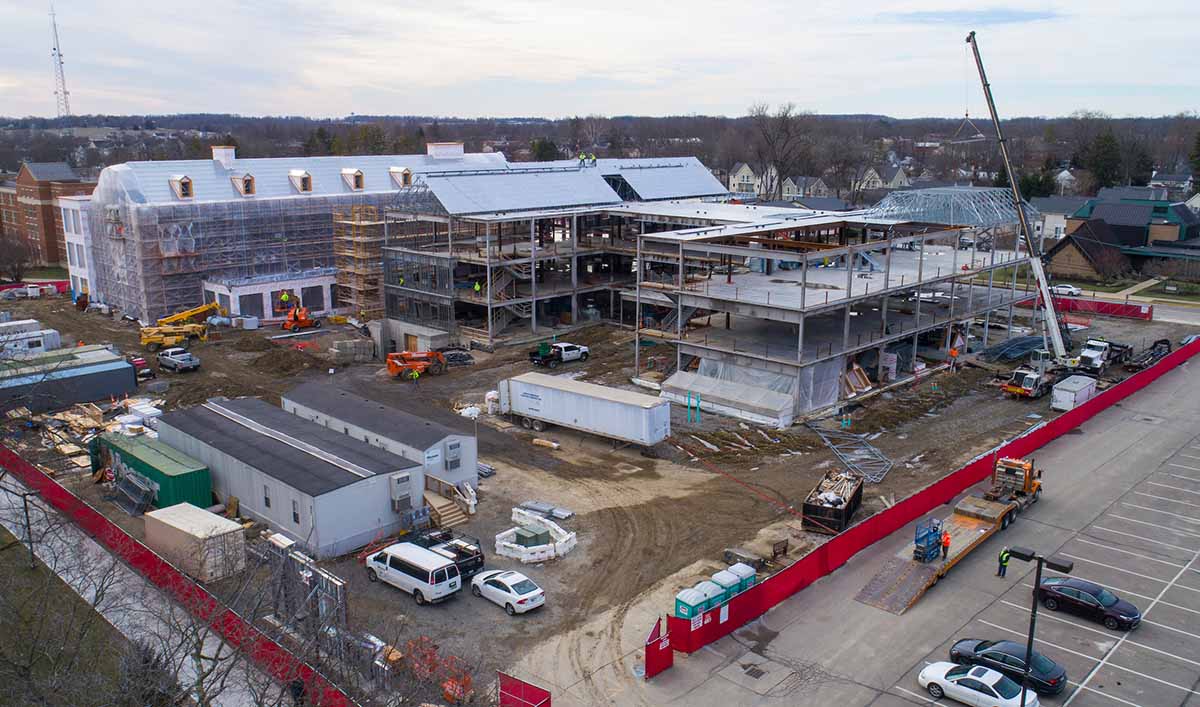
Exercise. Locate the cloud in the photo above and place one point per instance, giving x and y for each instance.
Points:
(530, 57)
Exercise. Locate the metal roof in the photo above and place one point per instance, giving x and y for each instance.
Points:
(501, 191)
(1066, 205)
(664, 178)
(618, 395)
(384, 420)
(149, 182)
(1118, 213)
(274, 452)
(156, 453)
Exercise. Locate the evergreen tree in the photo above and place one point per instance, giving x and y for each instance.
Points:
(1103, 159)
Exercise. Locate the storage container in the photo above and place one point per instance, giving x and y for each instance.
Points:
(526, 537)
(249, 322)
(609, 412)
(542, 536)
(689, 603)
(730, 582)
(745, 574)
(1072, 392)
(205, 545)
(176, 477)
(714, 595)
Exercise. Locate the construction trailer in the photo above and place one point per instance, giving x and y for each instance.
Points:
(172, 476)
(327, 491)
(449, 454)
(540, 401)
(205, 545)
(58, 379)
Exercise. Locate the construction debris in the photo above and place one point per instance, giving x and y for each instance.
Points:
(539, 442)
(860, 456)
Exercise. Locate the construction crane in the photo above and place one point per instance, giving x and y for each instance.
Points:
(1050, 323)
(188, 314)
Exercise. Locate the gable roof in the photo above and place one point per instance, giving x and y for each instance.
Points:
(1058, 204)
(1128, 193)
(1173, 178)
(737, 166)
(384, 420)
(496, 191)
(887, 172)
(1093, 238)
(51, 171)
(822, 203)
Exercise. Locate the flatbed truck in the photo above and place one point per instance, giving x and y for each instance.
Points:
(907, 575)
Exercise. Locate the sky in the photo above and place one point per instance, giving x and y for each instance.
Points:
(559, 58)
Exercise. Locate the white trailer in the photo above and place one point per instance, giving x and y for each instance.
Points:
(1072, 392)
(539, 399)
(29, 342)
(19, 326)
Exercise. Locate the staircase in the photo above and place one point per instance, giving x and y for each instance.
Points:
(524, 310)
(521, 271)
(668, 322)
(444, 512)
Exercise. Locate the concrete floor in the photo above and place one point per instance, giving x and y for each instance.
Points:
(1136, 530)
(829, 284)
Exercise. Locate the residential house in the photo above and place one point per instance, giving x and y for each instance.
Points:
(883, 177)
(1054, 211)
(743, 181)
(805, 187)
(28, 208)
(1132, 194)
(1140, 222)
(1092, 251)
(1178, 186)
(1066, 182)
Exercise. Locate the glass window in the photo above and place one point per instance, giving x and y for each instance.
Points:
(296, 512)
(957, 672)
(524, 587)
(440, 576)
(75, 220)
(266, 496)
(1042, 664)
(1007, 688)
(1106, 597)
(66, 217)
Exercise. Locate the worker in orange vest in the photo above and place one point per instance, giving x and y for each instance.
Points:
(953, 358)
(945, 543)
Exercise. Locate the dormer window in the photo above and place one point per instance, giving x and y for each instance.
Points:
(401, 176)
(244, 183)
(182, 186)
(353, 178)
(301, 180)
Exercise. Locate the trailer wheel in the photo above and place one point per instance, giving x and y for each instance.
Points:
(552, 363)
(1036, 495)
(526, 423)
(539, 426)
(1006, 520)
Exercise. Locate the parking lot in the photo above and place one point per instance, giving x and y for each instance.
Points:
(1143, 548)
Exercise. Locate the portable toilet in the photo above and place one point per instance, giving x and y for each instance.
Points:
(689, 603)
(745, 573)
(730, 582)
(714, 595)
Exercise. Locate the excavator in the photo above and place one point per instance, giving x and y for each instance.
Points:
(178, 329)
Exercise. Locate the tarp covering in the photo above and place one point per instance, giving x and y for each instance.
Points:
(819, 385)
(725, 397)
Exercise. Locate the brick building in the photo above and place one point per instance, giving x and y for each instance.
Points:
(28, 208)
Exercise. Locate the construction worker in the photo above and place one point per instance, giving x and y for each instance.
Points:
(416, 375)
(945, 543)
(582, 158)
(953, 358)
(478, 288)
(284, 298)
(592, 158)
(1004, 555)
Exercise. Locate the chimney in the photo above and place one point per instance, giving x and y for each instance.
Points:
(224, 154)
(443, 150)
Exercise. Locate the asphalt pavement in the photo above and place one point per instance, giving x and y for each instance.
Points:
(1122, 500)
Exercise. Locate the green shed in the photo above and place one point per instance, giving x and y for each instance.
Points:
(176, 477)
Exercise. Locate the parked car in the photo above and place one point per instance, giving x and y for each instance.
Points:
(1188, 339)
(1008, 657)
(973, 685)
(465, 551)
(1066, 291)
(1090, 601)
(512, 590)
(552, 356)
(426, 575)
(141, 367)
(178, 359)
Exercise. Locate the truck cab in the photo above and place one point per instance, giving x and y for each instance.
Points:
(1097, 354)
(1034, 378)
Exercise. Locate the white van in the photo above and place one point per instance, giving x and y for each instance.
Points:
(426, 575)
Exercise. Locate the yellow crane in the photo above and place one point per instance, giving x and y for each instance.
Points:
(178, 330)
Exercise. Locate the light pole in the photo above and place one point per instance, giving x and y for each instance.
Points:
(1056, 563)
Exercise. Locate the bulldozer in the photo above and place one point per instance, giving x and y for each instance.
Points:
(297, 320)
(404, 363)
(177, 330)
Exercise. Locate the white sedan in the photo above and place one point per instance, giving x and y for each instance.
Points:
(1066, 291)
(512, 590)
(973, 685)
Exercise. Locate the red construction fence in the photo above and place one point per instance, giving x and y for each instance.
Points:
(689, 635)
(270, 657)
(1091, 305)
(518, 693)
(659, 653)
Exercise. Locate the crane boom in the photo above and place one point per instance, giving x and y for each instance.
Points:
(1035, 258)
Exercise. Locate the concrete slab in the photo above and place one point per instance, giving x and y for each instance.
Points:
(756, 673)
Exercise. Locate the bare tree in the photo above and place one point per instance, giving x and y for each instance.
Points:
(845, 157)
(782, 145)
(15, 257)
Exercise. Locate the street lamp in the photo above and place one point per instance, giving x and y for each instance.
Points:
(1056, 563)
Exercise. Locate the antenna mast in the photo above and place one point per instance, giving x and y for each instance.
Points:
(62, 97)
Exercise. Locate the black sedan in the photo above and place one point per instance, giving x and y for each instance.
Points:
(1088, 600)
(1047, 677)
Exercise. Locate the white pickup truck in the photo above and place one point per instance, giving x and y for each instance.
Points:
(558, 353)
(178, 359)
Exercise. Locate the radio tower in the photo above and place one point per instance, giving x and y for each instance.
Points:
(60, 80)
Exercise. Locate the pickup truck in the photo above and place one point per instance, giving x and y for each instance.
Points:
(1097, 355)
(466, 552)
(551, 356)
(178, 359)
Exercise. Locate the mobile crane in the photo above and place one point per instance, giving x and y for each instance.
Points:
(177, 329)
(1050, 324)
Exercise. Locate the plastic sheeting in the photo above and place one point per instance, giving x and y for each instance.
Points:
(758, 405)
(733, 373)
(818, 384)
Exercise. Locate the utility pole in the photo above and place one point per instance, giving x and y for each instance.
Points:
(61, 94)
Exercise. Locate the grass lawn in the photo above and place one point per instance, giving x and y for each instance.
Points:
(48, 273)
(1093, 286)
(39, 609)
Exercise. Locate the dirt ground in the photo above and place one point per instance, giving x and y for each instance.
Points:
(644, 520)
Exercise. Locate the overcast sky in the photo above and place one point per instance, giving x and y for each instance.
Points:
(563, 57)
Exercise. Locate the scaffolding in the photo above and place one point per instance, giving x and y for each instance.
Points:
(358, 237)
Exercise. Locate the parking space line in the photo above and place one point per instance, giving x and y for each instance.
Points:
(1102, 692)
(1169, 628)
(1174, 488)
(1126, 592)
(1035, 638)
(1125, 637)
(1142, 537)
(1165, 498)
(924, 698)
(1178, 476)
(1176, 565)
(1115, 568)
(1184, 466)
(1166, 513)
(1156, 525)
(1189, 456)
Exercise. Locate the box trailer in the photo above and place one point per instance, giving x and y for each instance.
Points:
(204, 545)
(1072, 392)
(539, 400)
(174, 476)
